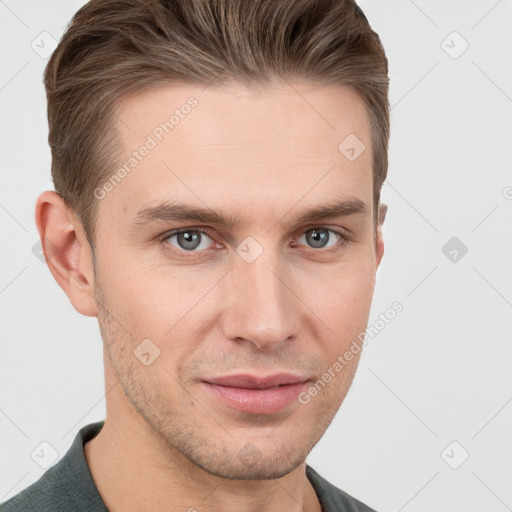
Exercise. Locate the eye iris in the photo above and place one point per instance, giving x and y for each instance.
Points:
(317, 237)
(189, 240)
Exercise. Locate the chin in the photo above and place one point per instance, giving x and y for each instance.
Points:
(264, 469)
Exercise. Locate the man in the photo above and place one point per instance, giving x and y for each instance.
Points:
(217, 167)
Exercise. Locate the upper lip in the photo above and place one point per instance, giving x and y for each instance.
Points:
(244, 380)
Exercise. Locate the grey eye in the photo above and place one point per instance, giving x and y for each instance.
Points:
(189, 240)
(319, 238)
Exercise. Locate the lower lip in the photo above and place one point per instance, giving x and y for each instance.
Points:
(257, 401)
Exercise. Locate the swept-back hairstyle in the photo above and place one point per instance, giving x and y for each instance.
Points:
(113, 48)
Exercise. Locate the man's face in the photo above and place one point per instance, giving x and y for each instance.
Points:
(266, 293)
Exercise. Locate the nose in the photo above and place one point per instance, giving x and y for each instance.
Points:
(260, 307)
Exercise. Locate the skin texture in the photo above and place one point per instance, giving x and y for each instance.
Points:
(167, 443)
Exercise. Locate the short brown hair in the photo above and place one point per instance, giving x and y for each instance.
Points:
(113, 48)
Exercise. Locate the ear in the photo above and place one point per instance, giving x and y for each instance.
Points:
(383, 209)
(67, 251)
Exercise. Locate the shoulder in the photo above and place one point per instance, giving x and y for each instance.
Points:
(42, 496)
(67, 485)
(333, 499)
(57, 490)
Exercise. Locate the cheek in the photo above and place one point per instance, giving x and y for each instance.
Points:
(165, 304)
(130, 301)
(342, 296)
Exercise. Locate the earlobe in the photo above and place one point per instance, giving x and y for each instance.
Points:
(67, 251)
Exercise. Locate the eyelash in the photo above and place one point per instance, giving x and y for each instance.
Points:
(344, 239)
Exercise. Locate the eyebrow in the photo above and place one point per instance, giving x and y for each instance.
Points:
(168, 212)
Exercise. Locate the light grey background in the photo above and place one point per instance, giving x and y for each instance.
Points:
(438, 373)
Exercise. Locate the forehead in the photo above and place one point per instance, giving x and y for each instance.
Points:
(228, 146)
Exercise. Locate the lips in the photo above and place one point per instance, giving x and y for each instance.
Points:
(253, 382)
(256, 395)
